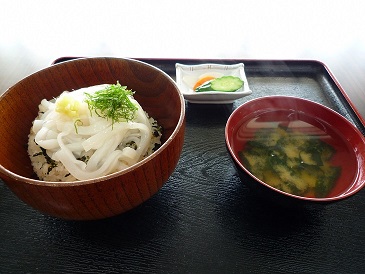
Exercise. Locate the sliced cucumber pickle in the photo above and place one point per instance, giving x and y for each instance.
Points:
(226, 83)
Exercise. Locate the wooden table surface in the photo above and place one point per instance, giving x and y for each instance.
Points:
(34, 33)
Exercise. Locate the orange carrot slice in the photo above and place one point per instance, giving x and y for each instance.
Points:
(202, 81)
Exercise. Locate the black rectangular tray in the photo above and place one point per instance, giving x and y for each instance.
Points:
(204, 219)
(308, 79)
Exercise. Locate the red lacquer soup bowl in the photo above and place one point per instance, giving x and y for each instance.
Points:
(309, 152)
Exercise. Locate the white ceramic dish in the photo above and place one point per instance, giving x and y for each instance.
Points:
(188, 75)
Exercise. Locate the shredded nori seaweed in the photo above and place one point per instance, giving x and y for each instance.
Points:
(52, 163)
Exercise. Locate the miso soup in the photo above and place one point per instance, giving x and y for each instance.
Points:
(293, 152)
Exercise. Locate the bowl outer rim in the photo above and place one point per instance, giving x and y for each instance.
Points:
(360, 175)
(178, 127)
